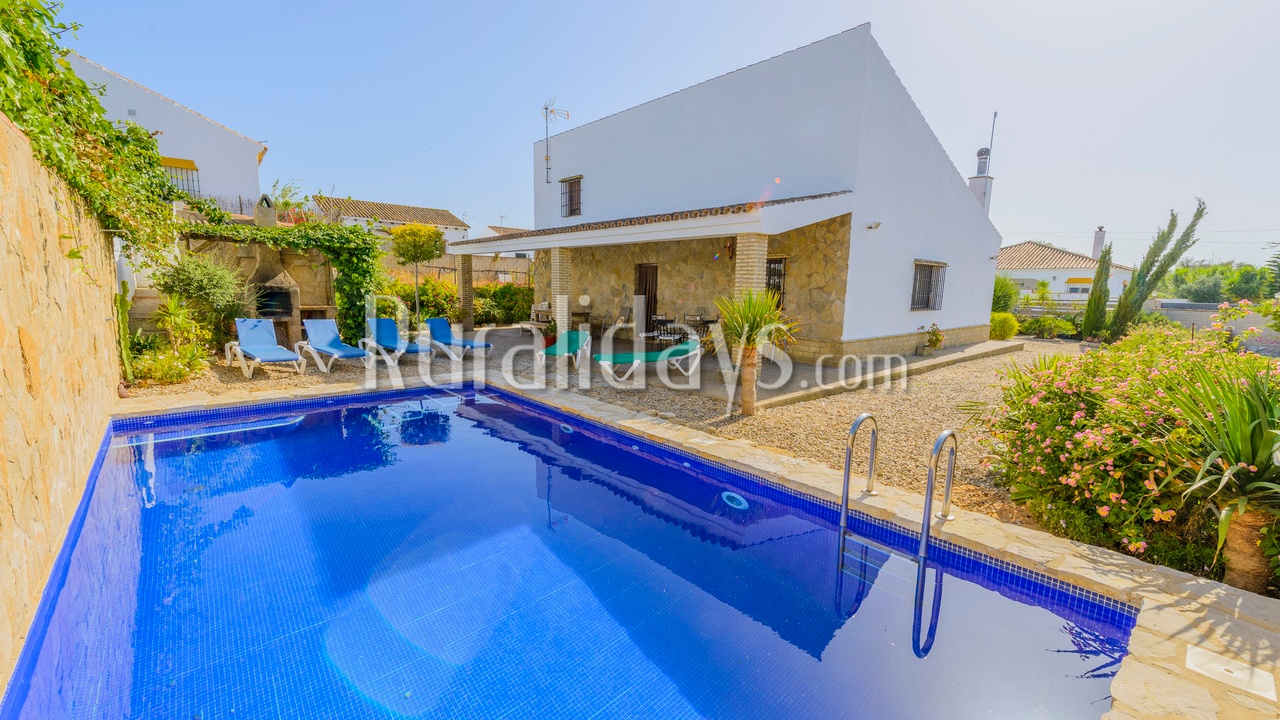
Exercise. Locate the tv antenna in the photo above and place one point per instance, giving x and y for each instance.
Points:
(549, 115)
(992, 142)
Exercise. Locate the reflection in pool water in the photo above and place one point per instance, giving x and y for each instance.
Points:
(446, 556)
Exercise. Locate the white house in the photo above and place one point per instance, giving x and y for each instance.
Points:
(1069, 274)
(380, 215)
(813, 173)
(204, 157)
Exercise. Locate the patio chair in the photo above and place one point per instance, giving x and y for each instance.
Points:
(533, 324)
(384, 337)
(323, 340)
(441, 334)
(574, 344)
(257, 345)
(683, 357)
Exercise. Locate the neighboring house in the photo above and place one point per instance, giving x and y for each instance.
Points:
(203, 157)
(812, 173)
(1070, 274)
(380, 215)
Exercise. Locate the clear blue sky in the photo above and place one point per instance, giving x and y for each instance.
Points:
(1110, 113)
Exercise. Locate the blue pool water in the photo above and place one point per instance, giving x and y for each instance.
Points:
(470, 555)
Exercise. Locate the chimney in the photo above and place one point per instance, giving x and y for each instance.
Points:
(1099, 239)
(980, 184)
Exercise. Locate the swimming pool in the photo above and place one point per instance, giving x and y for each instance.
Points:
(469, 553)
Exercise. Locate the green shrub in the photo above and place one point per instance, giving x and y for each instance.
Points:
(1003, 325)
(512, 302)
(1048, 326)
(216, 293)
(186, 352)
(438, 298)
(486, 311)
(1071, 440)
(167, 366)
(1005, 295)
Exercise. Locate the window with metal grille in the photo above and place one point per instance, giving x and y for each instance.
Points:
(185, 179)
(926, 287)
(571, 196)
(775, 278)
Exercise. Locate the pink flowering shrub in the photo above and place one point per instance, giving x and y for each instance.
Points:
(1072, 439)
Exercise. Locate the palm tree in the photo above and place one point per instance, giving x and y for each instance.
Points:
(749, 321)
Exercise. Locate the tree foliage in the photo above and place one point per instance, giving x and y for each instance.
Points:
(1004, 295)
(1095, 310)
(413, 244)
(416, 243)
(114, 167)
(1211, 282)
(1164, 252)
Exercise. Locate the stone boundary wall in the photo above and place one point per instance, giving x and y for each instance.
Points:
(59, 369)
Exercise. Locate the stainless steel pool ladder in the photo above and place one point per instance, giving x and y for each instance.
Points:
(848, 461)
(947, 436)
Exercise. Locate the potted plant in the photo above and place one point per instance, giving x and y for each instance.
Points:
(933, 339)
(748, 321)
(549, 333)
(1222, 451)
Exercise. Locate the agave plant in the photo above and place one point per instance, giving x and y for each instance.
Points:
(749, 321)
(1228, 434)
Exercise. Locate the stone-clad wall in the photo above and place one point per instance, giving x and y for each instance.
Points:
(817, 271)
(693, 273)
(58, 373)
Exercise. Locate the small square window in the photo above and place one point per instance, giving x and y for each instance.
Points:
(571, 196)
(926, 286)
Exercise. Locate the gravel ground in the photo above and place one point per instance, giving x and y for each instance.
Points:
(909, 420)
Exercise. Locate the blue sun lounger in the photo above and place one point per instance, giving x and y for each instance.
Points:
(257, 345)
(384, 337)
(442, 337)
(323, 341)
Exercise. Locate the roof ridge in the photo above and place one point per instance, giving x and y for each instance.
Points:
(716, 77)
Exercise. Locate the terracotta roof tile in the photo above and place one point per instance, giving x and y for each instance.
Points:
(745, 207)
(387, 212)
(500, 230)
(1034, 255)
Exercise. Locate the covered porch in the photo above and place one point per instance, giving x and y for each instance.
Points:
(653, 270)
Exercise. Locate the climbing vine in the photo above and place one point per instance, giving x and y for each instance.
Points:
(114, 167)
(352, 250)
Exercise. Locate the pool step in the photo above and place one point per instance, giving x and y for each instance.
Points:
(868, 562)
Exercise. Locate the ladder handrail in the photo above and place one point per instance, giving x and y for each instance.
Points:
(925, 526)
(848, 461)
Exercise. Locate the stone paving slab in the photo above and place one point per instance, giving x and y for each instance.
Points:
(1176, 610)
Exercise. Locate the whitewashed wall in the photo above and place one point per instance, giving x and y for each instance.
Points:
(907, 183)
(227, 161)
(825, 117)
(1058, 280)
(794, 118)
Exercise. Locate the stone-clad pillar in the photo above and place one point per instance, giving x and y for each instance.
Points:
(561, 277)
(749, 261)
(466, 293)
